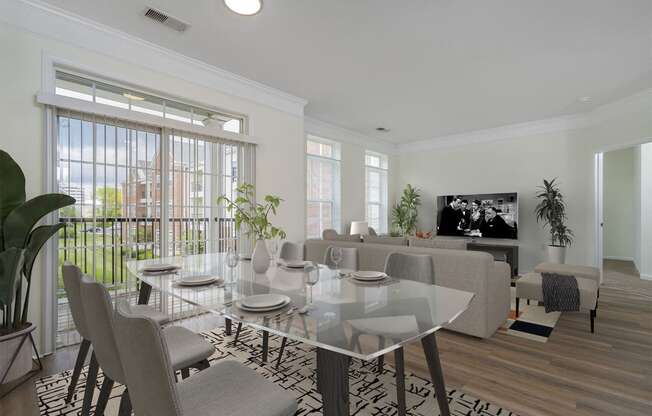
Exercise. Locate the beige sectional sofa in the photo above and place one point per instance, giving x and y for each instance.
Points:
(472, 271)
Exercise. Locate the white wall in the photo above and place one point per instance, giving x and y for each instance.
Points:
(620, 221)
(520, 161)
(280, 167)
(637, 212)
(645, 248)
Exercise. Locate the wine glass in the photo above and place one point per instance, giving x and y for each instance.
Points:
(232, 260)
(273, 249)
(336, 256)
(312, 278)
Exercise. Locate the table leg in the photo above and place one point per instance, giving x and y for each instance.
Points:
(265, 345)
(227, 325)
(333, 381)
(429, 344)
(144, 293)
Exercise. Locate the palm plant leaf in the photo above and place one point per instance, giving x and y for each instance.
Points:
(12, 184)
(22, 219)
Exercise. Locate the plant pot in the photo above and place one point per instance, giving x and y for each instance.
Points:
(23, 361)
(260, 257)
(556, 254)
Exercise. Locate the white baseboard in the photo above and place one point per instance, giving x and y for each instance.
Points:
(646, 276)
(618, 258)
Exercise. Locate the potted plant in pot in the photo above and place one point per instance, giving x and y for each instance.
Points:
(551, 210)
(405, 212)
(256, 217)
(20, 244)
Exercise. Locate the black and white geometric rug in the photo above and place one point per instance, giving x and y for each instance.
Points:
(370, 393)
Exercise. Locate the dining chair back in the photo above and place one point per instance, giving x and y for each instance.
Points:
(147, 365)
(291, 251)
(329, 234)
(72, 277)
(416, 267)
(99, 317)
(349, 258)
(372, 232)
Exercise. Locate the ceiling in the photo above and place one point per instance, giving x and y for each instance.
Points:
(422, 68)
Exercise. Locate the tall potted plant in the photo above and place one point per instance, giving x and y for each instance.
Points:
(405, 212)
(256, 217)
(551, 210)
(20, 244)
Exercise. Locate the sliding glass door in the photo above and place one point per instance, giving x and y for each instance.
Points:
(142, 192)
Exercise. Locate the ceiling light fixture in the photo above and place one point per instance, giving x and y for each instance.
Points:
(132, 97)
(382, 129)
(585, 100)
(244, 7)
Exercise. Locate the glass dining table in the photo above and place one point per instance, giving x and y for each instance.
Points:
(339, 316)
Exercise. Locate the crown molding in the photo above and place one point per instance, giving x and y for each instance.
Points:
(44, 19)
(330, 131)
(628, 105)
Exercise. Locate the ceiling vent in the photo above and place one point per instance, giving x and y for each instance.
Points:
(166, 19)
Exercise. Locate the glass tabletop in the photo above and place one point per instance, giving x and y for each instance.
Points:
(326, 310)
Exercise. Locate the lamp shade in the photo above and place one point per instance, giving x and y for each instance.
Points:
(359, 227)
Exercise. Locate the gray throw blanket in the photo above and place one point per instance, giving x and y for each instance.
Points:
(560, 292)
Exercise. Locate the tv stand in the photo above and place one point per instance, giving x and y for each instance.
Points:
(501, 252)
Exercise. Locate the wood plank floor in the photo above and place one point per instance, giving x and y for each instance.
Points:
(574, 373)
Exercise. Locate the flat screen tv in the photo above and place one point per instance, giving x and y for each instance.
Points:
(478, 215)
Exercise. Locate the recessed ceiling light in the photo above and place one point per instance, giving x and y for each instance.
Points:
(132, 97)
(586, 99)
(244, 7)
(382, 129)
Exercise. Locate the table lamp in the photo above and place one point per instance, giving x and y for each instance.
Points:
(359, 227)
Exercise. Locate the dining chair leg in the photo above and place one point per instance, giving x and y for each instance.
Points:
(125, 404)
(399, 364)
(265, 345)
(227, 326)
(381, 359)
(79, 364)
(202, 365)
(103, 398)
(185, 373)
(91, 379)
(237, 333)
(280, 352)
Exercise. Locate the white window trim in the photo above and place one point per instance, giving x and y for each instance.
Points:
(336, 203)
(383, 205)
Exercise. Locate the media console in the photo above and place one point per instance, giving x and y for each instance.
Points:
(501, 252)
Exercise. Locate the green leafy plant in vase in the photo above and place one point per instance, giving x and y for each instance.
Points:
(406, 211)
(255, 216)
(20, 243)
(551, 210)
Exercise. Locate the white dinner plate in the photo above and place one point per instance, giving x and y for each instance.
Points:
(160, 268)
(368, 276)
(294, 264)
(197, 280)
(268, 300)
(262, 309)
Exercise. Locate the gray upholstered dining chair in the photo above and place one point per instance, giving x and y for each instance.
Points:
(349, 258)
(329, 234)
(186, 348)
(291, 251)
(226, 388)
(372, 232)
(72, 278)
(416, 267)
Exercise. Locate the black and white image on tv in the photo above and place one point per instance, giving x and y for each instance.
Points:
(479, 215)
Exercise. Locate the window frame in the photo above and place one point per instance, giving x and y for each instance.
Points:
(383, 204)
(336, 202)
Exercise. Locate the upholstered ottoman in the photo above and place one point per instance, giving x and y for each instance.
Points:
(530, 286)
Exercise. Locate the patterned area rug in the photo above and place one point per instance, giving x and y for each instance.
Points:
(370, 393)
(532, 322)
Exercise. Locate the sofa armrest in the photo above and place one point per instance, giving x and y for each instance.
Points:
(498, 296)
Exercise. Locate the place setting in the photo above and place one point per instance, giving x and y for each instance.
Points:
(367, 277)
(160, 269)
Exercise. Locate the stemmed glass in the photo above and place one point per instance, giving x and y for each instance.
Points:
(273, 249)
(336, 257)
(312, 278)
(232, 260)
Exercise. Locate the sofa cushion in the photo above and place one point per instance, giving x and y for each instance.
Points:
(396, 241)
(345, 237)
(442, 243)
